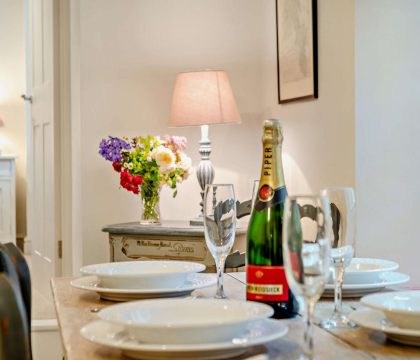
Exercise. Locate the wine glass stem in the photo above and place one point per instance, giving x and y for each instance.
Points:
(220, 266)
(338, 291)
(308, 334)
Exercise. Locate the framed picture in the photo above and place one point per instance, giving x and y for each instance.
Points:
(297, 64)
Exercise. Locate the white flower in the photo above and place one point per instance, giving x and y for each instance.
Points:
(185, 162)
(165, 158)
(149, 158)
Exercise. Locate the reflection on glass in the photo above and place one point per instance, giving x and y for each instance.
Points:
(306, 252)
(343, 212)
(219, 226)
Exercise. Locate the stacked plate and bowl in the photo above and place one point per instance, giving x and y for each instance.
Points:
(366, 275)
(397, 314)
(130, 280)
(176, 328)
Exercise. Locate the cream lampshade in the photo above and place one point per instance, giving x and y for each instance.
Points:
(203, 98)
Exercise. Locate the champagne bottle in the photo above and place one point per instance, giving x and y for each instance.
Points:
(266, 279)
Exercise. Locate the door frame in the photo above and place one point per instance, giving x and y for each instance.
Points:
(66, 35)
(71, 136)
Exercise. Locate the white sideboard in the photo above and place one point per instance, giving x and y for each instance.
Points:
(8, 198)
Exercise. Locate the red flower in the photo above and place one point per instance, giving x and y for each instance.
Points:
(137, 180)
(130, 182)
(117, 166)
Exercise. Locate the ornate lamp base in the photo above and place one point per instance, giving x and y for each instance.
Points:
(205, 171)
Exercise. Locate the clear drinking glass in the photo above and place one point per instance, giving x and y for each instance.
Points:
(219, 226)
(343, 213)
(306, 254)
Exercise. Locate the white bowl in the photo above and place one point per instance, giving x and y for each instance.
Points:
(186, 321)
(367, 270)
(402, 308)
(152, 274)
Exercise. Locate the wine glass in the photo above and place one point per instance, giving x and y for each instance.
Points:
(343, 213)
(219, 226)
(306, 254)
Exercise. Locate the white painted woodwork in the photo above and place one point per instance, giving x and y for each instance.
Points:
(43, 151)
(46, 342)
(7, 199)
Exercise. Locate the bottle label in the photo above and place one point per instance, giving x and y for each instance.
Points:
(267, 197)
(266, 283)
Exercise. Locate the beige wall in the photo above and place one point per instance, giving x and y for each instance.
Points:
(319, 140)
(12, 85)
(130, 52)
(387, 130)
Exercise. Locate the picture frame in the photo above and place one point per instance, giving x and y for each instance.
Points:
(297, 50)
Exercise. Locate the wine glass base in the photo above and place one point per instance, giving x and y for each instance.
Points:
(220, 296)
(338, 321)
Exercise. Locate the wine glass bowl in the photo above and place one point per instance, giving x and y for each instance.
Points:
(306, 252)
(219, 212)
(343, 214)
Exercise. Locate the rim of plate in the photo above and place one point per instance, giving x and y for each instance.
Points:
(372, 319)
(195, 267)
(91, 283)
(398, 278)
(259, 311)
(273, 329)
(367, 301)
(389, 265)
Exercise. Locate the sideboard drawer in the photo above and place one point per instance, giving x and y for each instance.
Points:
(170, 240)
(6, 168)
(131, 247)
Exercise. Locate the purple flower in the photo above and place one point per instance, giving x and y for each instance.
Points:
(111, 148)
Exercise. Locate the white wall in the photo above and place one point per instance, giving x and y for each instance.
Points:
(12, 85)
(130, 52)
(387, 130)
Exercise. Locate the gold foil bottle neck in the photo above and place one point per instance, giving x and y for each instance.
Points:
(272, 131)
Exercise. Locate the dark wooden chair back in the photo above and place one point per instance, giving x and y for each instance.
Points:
(23, 274)
(14, 332)
(13, 263)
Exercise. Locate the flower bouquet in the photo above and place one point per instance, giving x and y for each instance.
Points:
(145, 164)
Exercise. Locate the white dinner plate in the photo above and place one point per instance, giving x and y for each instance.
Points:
(145, 274)
(193, 282)
(185, 320)
(356, 290)
(376, 320)
(112, 335)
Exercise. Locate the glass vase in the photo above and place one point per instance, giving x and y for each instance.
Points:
(150, 209)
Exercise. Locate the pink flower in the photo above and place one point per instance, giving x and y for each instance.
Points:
(176, 143)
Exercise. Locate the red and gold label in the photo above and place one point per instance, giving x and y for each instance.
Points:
(266, 283)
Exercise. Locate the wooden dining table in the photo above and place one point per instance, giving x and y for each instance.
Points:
(75, 308)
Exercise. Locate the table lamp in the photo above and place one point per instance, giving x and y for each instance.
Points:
(203, 98)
